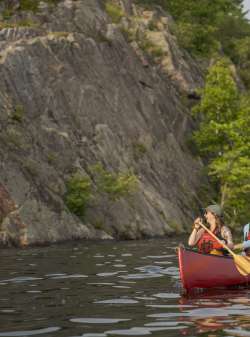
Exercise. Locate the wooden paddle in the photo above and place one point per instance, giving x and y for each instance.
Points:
(242, 262)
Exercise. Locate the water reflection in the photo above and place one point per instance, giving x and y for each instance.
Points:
(222, 310)
(111, 289)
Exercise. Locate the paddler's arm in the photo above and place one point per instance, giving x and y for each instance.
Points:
(242, 246)
(238, 246)
(196, 233)
(227, 235)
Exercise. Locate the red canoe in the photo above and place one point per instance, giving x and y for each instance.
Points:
(206, 271)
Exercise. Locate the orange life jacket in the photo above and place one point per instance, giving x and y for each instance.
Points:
(207, 243)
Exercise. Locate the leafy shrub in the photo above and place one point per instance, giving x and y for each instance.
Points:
(151, 48)
(81, 190)
(151, 3)
(31, 166)
(18, 113)
(139, 150)
(79, 194)
(24, 5)
(29, 5)
(51, 158)
(99, 225)
(14, 138)
(152, 26)
(115, 185)
(129, 34)
(114, 11)
(7, 13)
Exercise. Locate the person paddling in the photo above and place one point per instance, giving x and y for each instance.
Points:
(245, 246)
(204, 241)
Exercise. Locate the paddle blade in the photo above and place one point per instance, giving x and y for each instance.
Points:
(242, 263)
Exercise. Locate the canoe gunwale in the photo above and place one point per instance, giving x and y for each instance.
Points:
(206, 254)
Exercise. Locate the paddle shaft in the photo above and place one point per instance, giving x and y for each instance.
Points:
(215, 237)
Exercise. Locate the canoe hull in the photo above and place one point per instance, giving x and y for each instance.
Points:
(207, 271)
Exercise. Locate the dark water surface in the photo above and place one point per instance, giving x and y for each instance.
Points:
(111, 289)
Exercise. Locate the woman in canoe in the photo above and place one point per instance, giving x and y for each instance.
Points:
(203, 240)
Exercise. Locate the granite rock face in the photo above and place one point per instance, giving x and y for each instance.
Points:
(73, 93)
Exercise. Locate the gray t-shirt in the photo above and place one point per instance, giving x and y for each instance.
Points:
(246, 242)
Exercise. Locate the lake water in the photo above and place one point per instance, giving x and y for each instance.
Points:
(111, 289)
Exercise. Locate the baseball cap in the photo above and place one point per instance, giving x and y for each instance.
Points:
(215, 209)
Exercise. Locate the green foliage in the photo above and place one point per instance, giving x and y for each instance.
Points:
(115, 185)
(202, 27)
(18, 113)
(129, 34)
(29, 5)
(151, 3)
(19, 23)
(156, 52)
(33, 5)
(197, 38)
(81, 190)
(224, 139)
(240, 53)
(152, 26)
(150, 48)
(31, 166)
(114, 11)
(206, 12)
(79, 194)
(14, 137)
(99, 225)
(209, 27)
(219, 106)
(7, 13)
(52, 158)
(139, 150)
(24, 5)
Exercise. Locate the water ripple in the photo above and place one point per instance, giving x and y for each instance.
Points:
(68, 276)
(21, 279)
(29, 332)
(96, 320)
(93, 335)
(136, 331)
(140, 276)
(142, 299)
(167, 295)
(118, 301)
(238, 332)
(108, 274)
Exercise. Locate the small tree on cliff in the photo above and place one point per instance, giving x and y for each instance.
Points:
(223, 139)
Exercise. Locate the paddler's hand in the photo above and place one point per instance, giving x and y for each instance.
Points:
(197, 223)
(238, 246)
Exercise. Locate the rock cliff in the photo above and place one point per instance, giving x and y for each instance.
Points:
(79, 89)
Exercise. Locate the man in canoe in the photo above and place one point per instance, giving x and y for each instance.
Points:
(205, 242)
(245, 246)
